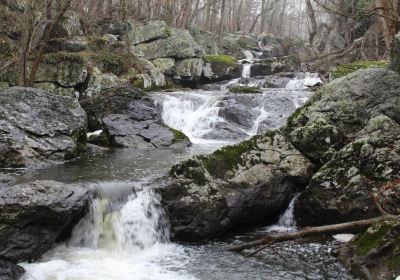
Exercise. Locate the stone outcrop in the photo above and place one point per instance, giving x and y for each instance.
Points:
(270, 66)
(35, 215)
(38, 128)
(342, 108)
(236, 186)
(395, 54)
(10, 271)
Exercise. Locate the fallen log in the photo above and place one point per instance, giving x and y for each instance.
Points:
(356, 226)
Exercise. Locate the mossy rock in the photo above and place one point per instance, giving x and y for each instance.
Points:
(244, 89)
(179, 136)
(346, 69)
(221, 59)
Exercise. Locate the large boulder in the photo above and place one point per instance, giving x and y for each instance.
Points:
(234, 187)
(150, 31)
(270, 66)
(395, 54)
(180, 44)
(130, 119)
(35, 215)
(189, 70)
(69, 25)
(221, 67)
(207, 40)
(341, 189)
(328, 40)
(374, 254)
(339, 110)
(38, 128)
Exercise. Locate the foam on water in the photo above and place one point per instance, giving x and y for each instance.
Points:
(309, 80)
(121, 243)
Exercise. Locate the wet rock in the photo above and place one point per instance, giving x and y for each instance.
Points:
(375, 253)
(99, 81)
(165, 66)
(179, 44)
(39, 128)
(10, 271)
(234, 187)
(340, 190)
(234, 44)
(34, 216)
(130, 119)
(265, 67)
(339, 110)
(221, 67)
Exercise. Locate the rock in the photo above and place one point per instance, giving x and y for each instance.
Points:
(152, 77)
(375, 253)
(70, 25)
(279, 80)
(57, 90)
(165, 65)
(207, 40)
(130, 119)
(221, 67)
(340, 190)
(272, 47)
(63, 69)
(6, 179)
(112, 26)
(14, 5)
(178, 45)
(189, 70)
(328, 40)
(234, 44)
(69, 44)
(10, 271)
(35, 215)
(234, 187)
(395, 54)
(99, 81)
(339, 110)
(39, 128)
(152, 30)
(265, 67)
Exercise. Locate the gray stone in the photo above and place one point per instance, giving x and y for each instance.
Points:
(39, 128)
(150, 31)
(207, 40)
(34, 215)
(234, 187)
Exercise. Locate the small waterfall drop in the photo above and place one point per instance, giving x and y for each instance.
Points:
(309, 80)
(248, 63)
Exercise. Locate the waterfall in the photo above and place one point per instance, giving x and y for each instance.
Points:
(248, 63)
(122, 222)
(309, 80)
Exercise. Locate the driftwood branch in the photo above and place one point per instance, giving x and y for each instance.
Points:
(356, 226)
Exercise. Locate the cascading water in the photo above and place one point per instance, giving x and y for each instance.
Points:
(248, 63)
(128, 239)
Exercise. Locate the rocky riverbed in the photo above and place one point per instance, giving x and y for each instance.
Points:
(115, 154)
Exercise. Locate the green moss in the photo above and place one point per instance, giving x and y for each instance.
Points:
(96, 43)
(179, 136)
(374, 237)
(110, 62)
(346, 69)
(168, 30)
(223, 59)
(225, 159)
(244, 89)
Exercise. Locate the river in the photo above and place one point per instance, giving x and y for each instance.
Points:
(126, 236)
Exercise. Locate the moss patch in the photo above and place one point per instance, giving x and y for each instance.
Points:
(62, 57)
(346, 69)
(223, 59)
(244, 89)
(179, 136)
(225, 159)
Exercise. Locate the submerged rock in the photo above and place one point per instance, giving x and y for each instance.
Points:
(374, 254)
(234, 187)
(38, 128)
(34, 216)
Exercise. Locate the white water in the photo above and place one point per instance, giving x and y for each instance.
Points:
(309, 80)
(287, 221)
(121, 242)
(248, 63)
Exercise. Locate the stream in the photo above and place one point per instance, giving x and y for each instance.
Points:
(126, 235)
